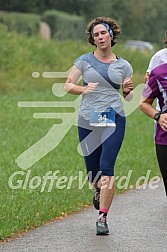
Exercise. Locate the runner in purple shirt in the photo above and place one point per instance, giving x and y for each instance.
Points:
(156, 87)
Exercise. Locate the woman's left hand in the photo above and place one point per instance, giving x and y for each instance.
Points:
(127, 85)
(163, 121)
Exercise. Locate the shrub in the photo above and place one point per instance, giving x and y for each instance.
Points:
(65, 26)
(27, 24)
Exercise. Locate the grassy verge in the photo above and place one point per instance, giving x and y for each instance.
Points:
(28, 205)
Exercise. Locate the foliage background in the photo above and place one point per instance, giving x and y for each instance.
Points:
(141, 20)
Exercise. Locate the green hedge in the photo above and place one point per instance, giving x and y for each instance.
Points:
(28, 24)
(65, 26)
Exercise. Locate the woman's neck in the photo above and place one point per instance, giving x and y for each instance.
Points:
(108, 56)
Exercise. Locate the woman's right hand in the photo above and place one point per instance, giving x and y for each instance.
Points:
(90, 87)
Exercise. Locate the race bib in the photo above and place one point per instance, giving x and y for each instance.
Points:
(102, 117)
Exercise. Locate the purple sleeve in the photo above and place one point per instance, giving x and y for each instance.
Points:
(151, 89)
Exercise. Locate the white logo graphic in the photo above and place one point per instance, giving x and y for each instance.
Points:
(57, 132)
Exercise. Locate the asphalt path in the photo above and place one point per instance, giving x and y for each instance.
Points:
(137, 222)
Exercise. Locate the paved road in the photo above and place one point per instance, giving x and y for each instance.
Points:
(137, 221)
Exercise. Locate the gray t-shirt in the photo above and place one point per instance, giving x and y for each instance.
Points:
(110, 77)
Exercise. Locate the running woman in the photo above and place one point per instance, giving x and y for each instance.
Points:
(101, 121)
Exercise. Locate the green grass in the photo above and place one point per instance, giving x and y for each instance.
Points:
(25, 208)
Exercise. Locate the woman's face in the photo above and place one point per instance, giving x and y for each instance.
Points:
(102, 38)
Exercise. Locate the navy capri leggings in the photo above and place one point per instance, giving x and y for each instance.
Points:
(100, 146)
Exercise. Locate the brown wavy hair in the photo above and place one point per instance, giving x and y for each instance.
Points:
(98, 20)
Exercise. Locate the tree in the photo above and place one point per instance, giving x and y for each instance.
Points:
(138, 19)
